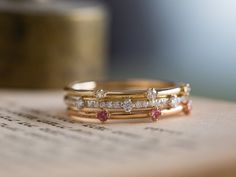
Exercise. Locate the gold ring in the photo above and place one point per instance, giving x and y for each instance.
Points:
(127, 99)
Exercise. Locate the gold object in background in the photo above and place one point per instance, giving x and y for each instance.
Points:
(47, 44)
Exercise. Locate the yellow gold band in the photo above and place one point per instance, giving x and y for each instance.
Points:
(129, 99)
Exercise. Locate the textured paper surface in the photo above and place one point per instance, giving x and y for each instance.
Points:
(37, 139)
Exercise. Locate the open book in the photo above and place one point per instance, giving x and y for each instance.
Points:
(38, 139)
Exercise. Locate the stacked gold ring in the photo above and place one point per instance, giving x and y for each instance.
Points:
(128, 99)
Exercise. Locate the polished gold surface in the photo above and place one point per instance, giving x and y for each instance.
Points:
(168, 97)
(47, 44)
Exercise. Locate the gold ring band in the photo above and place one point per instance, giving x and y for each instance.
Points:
(128, 99)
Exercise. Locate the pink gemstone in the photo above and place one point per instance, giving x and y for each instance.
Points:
(188, 108)
(155, 114)
(102, 115)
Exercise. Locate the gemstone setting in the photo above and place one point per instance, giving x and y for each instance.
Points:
(79, 103)
(116, 105)
(92, 104)
(100, 94)
(109, 104)
(155, 113)
(173, 101)
(102, 104)
(127, 105)
(162, 102)
(151, 94)
(187, 89)
(153, 103)
(103, 115)
(138, 104)
(184, 99)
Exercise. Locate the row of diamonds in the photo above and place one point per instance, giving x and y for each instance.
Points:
(127, 104)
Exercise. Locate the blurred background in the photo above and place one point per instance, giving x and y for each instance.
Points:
(49, 43)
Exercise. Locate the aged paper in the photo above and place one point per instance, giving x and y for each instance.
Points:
(38, 139)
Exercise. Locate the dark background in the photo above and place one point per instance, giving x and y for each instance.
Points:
(186, 40)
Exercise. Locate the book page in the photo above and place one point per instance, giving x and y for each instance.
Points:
(38, 139)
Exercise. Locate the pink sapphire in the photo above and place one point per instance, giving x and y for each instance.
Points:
(102, 115)
(188, 108)
(155, 114)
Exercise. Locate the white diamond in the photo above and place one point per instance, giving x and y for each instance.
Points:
(151, 93)
(127, 105)
(139, 104)
(162, 102)
(153, 103)
(100, 94)
(145, 104)
(90, 103)
(102, 104)
(79, 103)
(116, 104)
(184, 99)
(187, 89)
(179, 100)
(173, 102)
(109, 104)
(96, 104)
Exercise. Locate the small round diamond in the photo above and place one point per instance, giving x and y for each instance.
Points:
(145, 104)
(116, 104)
(173, 102)
(91, 103)
(162, 102)
(151, 93)
(155, 114)
(100, 94)
(187, 89)
(103, 115)
(184, 99)
(96, 104)
(138, 104)
(109, 104)
(153, 103)
(127, 105)
(102, 104)
(79, 103)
